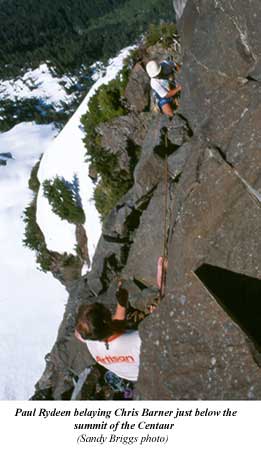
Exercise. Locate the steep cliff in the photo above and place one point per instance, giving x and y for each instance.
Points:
(203, 341)
(195, 343)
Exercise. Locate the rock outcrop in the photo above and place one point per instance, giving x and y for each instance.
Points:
(4, 157)
(203, 341)
(137, 91)
(123, 135)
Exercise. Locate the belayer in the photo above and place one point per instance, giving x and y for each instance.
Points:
(163, 84)
(108, 338)
(111, 340)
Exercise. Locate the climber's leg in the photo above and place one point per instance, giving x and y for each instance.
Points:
(167, 109)
(166, 105)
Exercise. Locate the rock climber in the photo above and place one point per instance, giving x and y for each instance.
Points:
(163, 84)
(108, 338)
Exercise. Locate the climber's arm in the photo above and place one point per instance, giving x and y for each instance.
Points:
(173, 92)
(122, 299)
(120, 313)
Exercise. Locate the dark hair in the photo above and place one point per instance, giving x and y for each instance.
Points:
(95, 322)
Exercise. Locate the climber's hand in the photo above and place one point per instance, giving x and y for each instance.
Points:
(122, 295)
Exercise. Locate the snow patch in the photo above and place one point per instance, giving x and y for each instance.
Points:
(38, 83)
(65, 157)
(98, 70)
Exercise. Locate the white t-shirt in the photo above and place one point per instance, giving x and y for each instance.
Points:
(122, 355)
(160, 86)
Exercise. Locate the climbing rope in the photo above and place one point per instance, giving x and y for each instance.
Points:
(165, 237)
(164, 256)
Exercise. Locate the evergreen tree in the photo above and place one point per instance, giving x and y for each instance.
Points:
(64, 199)
(71, 33)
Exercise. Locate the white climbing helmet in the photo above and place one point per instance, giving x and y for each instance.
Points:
(153, 69)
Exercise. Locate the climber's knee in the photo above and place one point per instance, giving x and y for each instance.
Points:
(168, 110)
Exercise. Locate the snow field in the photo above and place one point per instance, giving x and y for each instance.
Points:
(39, 83)
(65, 157)
(31, 302)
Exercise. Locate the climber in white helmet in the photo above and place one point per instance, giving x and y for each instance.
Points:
(160, 83)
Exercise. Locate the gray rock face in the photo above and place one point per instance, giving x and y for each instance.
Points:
(231, 51)
(122, 135)
(191, 344)
(149, 169)
(137, 91)
(148, 241)
(190, 336)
